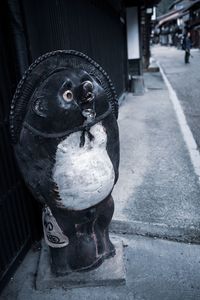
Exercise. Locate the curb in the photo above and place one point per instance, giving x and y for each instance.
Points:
(154, 230)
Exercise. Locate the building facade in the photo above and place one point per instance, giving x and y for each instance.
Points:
(183, 16)
(28, 30)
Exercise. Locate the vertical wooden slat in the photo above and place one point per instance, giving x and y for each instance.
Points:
(88, 26)
(92, 27)
(15, 201)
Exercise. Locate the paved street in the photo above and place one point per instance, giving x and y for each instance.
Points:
(158, 192)
(185, 79)
(157, 195)
(155, 270)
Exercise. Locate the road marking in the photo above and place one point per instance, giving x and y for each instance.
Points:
(187, 134)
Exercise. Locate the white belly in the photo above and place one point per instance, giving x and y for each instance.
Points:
(84, 175)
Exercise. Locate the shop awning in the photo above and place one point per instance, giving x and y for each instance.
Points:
(173, 16)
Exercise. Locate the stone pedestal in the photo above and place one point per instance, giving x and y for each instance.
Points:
(111, 272)
(137, 85)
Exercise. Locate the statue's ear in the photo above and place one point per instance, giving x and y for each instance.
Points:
(39, 107)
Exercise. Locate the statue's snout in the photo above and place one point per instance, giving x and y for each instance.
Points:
(87, 91)
(87, 101)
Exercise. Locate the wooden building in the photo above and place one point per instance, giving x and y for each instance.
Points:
(192, 23)
(183, 16)
(138, 40)
(104, 30)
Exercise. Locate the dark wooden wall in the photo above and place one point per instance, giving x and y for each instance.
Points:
(92, 27)
(28, 30)
(19, 215)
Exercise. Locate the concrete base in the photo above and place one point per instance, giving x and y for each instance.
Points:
(153, 67)
(137, 85)
(111, 272)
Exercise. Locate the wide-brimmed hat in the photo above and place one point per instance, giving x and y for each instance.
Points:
(41, 69)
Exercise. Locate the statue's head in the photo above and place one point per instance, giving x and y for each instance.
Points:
(66, 99)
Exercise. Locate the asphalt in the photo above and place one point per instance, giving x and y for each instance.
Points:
(185, 79)
(157, 195)
(158, 191)
(155, 270)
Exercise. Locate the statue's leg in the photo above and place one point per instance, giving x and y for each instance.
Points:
(88, 242)
(105, 247)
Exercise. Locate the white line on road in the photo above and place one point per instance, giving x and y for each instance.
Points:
(187, 134)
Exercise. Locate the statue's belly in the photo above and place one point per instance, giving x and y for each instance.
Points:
(84, 175)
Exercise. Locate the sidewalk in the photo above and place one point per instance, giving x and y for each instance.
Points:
(157, 195)
(158, 192)
(155, 270)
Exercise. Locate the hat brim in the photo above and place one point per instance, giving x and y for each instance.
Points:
(40, 69)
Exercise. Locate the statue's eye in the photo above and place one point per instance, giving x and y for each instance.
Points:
(88, 85)
(68, 96)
